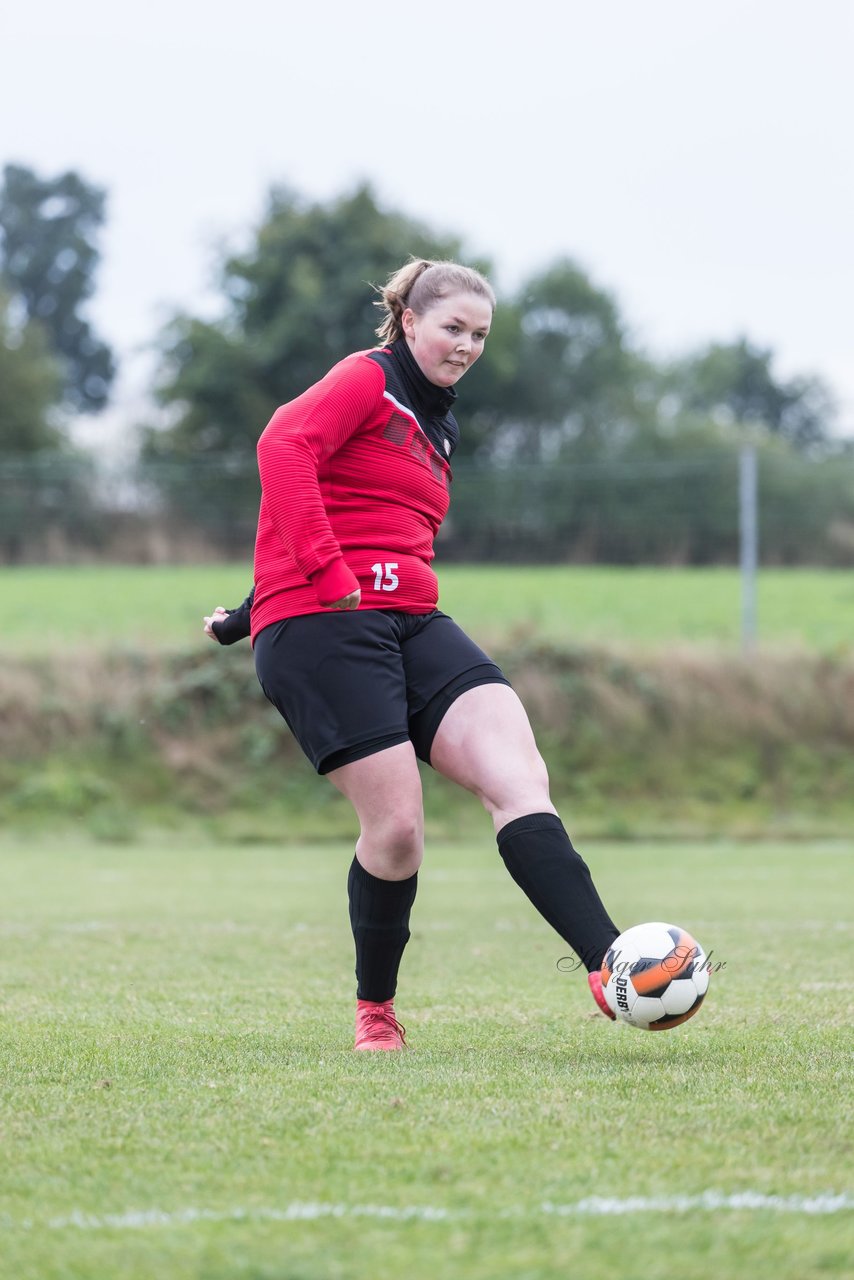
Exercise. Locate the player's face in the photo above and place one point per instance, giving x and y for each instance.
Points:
(447, 339)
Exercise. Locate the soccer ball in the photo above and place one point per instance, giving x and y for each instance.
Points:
(655, 976)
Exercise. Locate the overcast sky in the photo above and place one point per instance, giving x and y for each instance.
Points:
(695, 158)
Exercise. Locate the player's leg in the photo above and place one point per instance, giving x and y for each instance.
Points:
(385, 791)
(469, 724)
(337, 680)
(485, 743)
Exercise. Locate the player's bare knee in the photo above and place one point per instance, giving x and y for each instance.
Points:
(401, 837)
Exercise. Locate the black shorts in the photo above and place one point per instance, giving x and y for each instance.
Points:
(352, 683)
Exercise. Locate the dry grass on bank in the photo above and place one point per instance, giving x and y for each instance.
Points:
(634, 744)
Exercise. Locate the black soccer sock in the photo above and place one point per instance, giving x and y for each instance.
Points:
(539, 856)
(379, 917)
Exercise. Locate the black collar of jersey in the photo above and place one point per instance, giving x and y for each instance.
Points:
(430, 404)
(424, 396)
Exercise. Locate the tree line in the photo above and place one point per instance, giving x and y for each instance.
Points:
(562, 384)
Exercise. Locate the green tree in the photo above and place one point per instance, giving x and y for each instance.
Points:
(49, 256)
(735, 382)
(47, 489)
(576, 385)
(30, 386)
(296, 301)
(557, 368)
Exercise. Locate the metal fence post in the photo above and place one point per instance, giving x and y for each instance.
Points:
(748, 524)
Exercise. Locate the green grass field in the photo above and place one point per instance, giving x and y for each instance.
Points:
(51, 608)
(180, 1099)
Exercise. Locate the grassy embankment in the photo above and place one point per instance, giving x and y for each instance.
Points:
(116, 711)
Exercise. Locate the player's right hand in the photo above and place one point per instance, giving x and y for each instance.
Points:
(218, 614)
(347, 602)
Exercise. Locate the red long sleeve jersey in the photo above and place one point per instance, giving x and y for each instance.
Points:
(353, 490)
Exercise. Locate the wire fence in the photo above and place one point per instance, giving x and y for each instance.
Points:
(640, 510)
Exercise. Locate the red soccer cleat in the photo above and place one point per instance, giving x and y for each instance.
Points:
(377, 1027)
(594, 981)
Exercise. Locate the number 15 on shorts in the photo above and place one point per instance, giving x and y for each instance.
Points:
(385, 578)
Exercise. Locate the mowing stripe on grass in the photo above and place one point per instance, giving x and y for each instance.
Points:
(307, 1211)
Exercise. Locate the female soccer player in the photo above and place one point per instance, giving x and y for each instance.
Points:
(352, 650)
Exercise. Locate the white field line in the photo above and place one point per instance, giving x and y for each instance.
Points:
(310, 1211)
(708, 1201)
